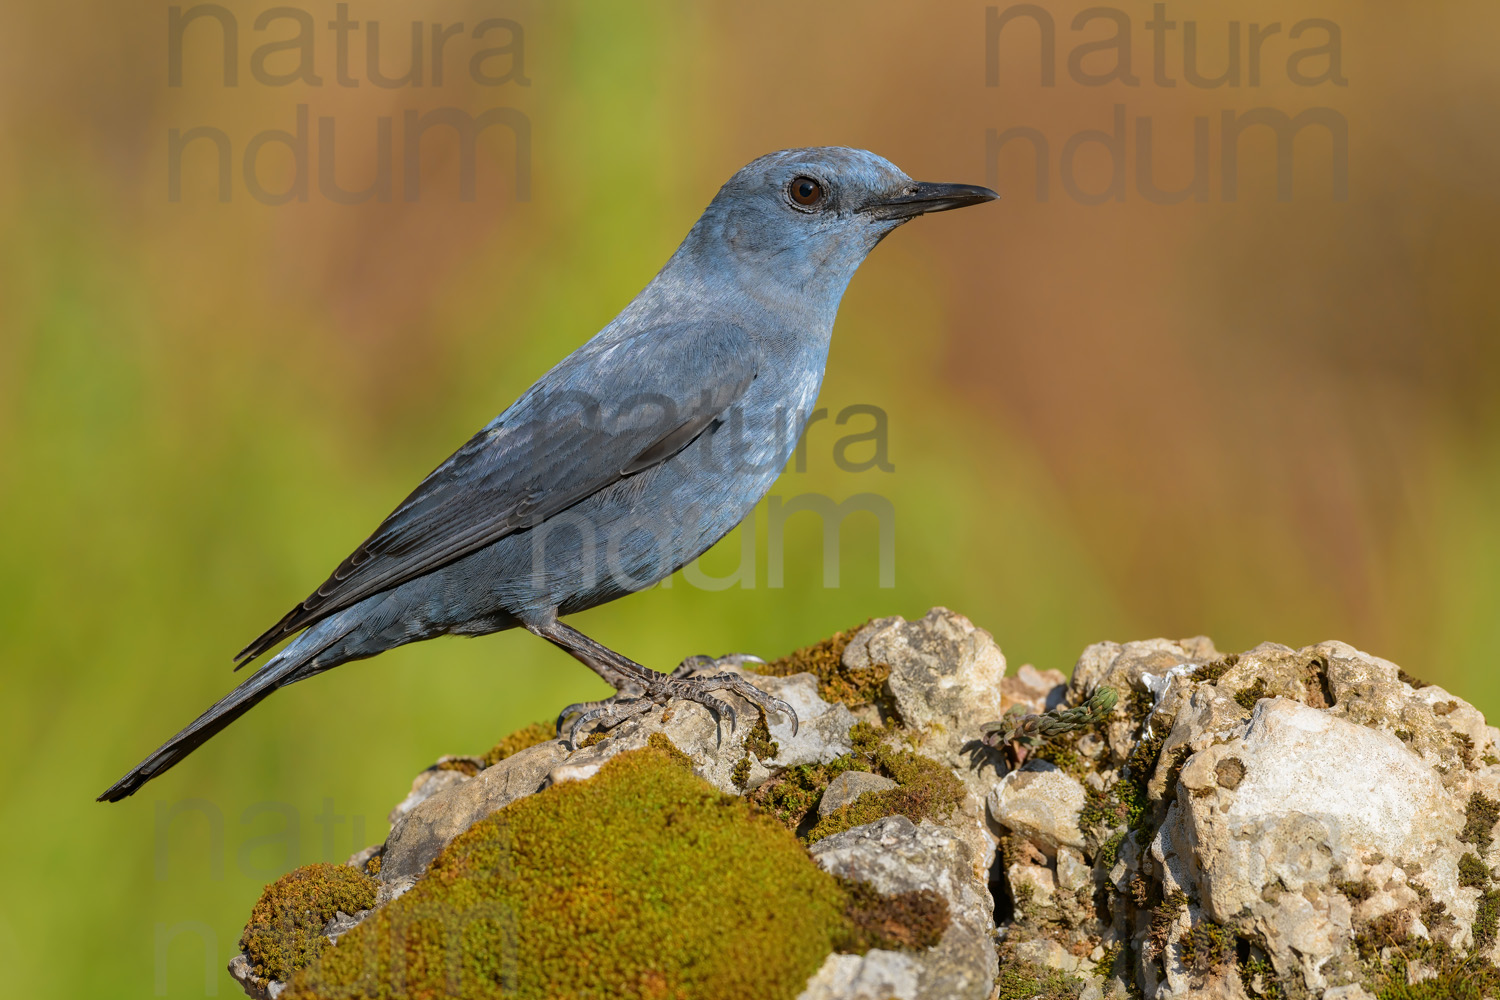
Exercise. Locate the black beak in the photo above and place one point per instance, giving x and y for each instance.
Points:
(919, 199)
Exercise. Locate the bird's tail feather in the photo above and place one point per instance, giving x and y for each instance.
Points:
(274, 674)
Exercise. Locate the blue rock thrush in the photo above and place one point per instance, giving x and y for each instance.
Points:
(626, 461)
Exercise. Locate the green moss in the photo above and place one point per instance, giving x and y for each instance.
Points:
(912, 920)
(758, 741)
(285, 931)
(1211, 672)
(1109, 851)
(1480, 814)
(866, 738)
(1449, 976)
(1022, 895)
(468, 765)
(643, 881)
(1252, 694)
(1177, 758)
(1391, 930)
(740, 773)
(1258, 966)
(825, 661)
(1061, 753)
(1020, 980)
(1487, 917)
(1162, 917)
(793, 794)
(1407, 678)
(1466, 750)
(1142, 760)
(1356, 892)
(1207, 945)
(1490, 760)
(1472, 873)
(924, 789)
(526, 736)
(659, 741)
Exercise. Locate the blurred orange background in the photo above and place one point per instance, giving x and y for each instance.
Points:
(1246, 417)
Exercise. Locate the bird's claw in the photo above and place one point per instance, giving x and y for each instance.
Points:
(658, 689)
(612, 711)
(731, 682)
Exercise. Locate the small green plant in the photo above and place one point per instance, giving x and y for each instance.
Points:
(1019, 732)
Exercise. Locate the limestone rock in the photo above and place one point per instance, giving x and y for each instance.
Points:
(1312, 798)
(945, 676)
(946, 680)
(1313, 821)
(875, 975)
(895, 855)
(1035, 690)
(848, 787)
(1041, 803)
(421, 833)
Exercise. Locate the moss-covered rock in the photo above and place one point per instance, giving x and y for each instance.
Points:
(526, 736)
(642, 881)
(285, 931)
(836, 681)
(924, 788)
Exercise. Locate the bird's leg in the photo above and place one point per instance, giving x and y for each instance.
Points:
(639, 686)
(629, 685)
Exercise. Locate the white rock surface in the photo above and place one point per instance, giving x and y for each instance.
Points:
(895, 855)
(1041, 803)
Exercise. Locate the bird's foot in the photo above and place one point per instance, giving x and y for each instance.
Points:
(681, 684)
(610, 712)
(658, 689)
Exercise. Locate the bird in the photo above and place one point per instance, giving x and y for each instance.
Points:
(626, 461)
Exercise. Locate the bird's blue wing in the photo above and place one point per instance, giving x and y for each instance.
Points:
(613, 408)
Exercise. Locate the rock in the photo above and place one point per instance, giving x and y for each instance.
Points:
(1035, 690)
(896, 856)
(945, 682)
(847, 787)
(1312, 820)
(1353, 991)
(875, 975)
(1041, 803)
(422, 832)
(1126, 667)
(423, 787)
(945, 675)
(1072, 873)
(1311, 797)
(255, 987)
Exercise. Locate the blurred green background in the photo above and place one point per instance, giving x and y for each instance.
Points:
(1251, 418)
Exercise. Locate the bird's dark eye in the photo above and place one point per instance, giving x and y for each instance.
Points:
(806, 191)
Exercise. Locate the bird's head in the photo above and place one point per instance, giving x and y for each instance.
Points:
(802, 220)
